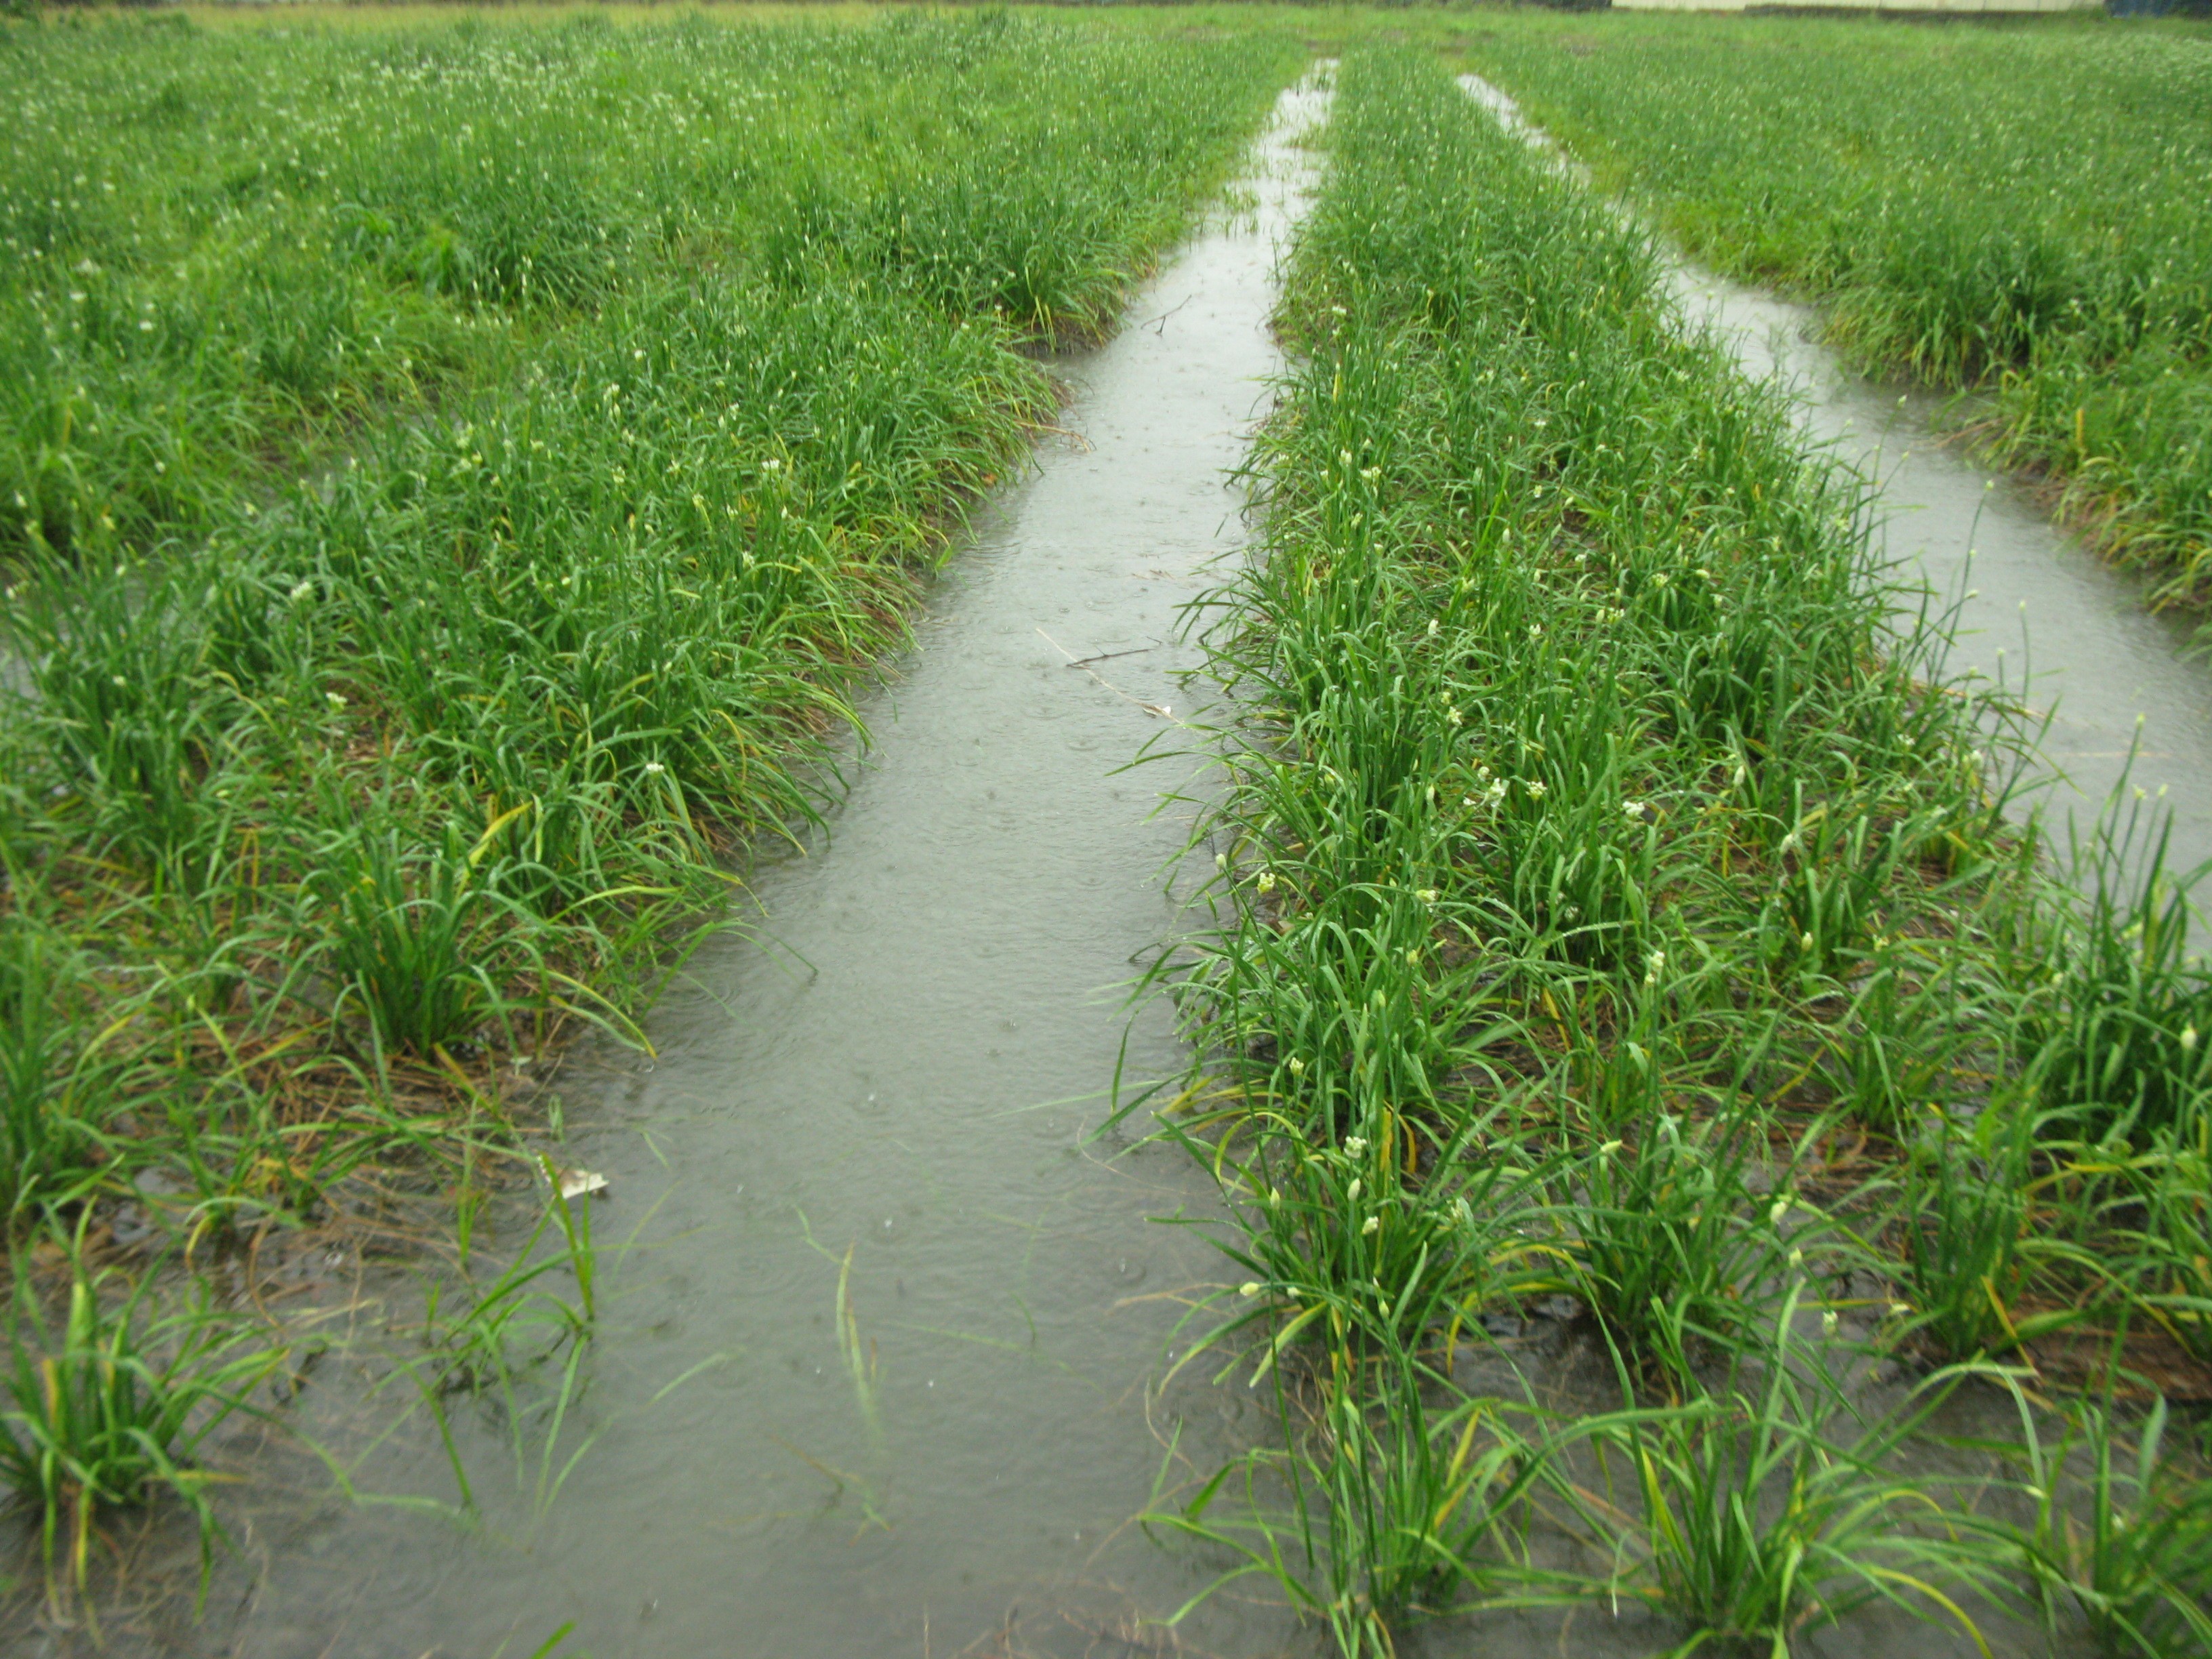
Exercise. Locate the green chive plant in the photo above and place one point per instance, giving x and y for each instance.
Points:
(1759, 1508)
(2121, 1531)
(1618, 914)
(57, 1076)
(2022, 212)
(106, 1406)
(446, 518)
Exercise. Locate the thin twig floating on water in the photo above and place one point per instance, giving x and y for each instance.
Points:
(1072, 436)
(1159, 324)
(1160, 708)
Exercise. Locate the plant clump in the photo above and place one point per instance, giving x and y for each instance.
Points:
(1616, 903)
(2022, 212)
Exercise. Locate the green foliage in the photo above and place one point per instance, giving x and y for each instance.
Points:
(515, 1340)
(187, 324)
(58, 1083)
(1665, 1235)
(454, 484)
(407, 938)
(2117, 1032)
(1603, 849)
(1761, 1508)
(2133, 1549)
(2023, 210)
(107, 1407)
(1966, 1241)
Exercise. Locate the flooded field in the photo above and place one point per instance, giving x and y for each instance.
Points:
(2034, 606)
(2025, 602)
(853, 1199)
(1912, 184)
(1637, 976)
(1653, 1160)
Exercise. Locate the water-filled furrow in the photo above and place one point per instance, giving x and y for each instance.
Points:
(917, 1316)
(2029, 603)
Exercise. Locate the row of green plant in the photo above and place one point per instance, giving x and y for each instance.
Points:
(228, 249)
(460, 477)
(404, 763)
(2025, 211)
(1615, 902)
(114, 1391)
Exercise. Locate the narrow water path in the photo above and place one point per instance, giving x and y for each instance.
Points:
(935, 1452)
(2035, 607)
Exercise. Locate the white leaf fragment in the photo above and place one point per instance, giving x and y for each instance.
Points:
(581, 1183)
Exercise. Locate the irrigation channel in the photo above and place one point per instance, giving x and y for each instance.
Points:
(851, 1198)
(2035, 608)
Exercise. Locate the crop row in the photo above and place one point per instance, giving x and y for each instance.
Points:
(413, 757)
(459, 479)
(2022, 212)
(1613, 905)
(454, 501)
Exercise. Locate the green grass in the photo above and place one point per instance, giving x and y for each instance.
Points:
(2135, 1556)
(1763, 1505)
(456, 479)
(541, 429)
(105, 1408)
(2022, 211)
(463, 476)
(1609, 885)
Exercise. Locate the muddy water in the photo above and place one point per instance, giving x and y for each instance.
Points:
(902, 1065)
(2035, 607)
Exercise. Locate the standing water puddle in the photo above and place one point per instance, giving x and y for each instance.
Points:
(937, 1450)
(2036, 608)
